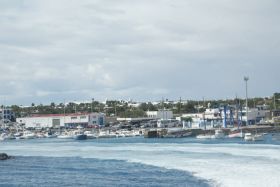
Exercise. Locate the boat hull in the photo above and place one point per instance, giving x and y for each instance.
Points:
(80, 137)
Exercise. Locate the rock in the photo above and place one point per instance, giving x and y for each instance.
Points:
(4, 156)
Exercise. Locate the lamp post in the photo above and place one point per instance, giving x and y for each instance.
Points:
(246, 83)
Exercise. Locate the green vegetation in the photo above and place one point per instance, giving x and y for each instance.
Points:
(127, 109)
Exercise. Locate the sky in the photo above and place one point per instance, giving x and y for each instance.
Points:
(76, 50)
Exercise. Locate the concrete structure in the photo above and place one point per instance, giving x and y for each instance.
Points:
(161, 114)
(167, 123)
(61, 120)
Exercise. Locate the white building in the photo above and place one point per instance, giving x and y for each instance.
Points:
(208, 119)
(161, 114)
(61, 120)
(254, 115)
(212, 114)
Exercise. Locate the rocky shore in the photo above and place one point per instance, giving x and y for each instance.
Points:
(4, 156)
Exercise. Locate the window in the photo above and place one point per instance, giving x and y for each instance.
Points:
(83, 117)
(56, 122)
(73, 117)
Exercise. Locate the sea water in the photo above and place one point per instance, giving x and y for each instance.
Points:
(141, 162)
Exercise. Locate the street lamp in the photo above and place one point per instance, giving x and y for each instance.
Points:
(246, 83)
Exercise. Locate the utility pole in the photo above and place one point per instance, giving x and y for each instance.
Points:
(91, 107)
(180, 105)
(63, 116)
(274, 102)
(115, 109)
(246, 84)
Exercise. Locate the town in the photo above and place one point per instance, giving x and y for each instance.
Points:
(164, 118)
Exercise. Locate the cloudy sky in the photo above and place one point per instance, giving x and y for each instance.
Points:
(70, 50)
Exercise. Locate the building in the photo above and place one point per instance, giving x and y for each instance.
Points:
(161, 114)
(275, 115)
(61, 120)
(205, 120)
(255, 115)
(8, 114)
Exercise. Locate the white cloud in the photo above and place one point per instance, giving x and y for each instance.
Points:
(52, 50)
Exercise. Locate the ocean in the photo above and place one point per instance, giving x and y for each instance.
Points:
(139, 161)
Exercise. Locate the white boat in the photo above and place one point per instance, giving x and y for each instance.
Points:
(50, 135)
(79, 134)
(258, 137)
(236, 135)
(2, 137)
(18, 135)
(5, 136)
(65, 135)
(28, 135)
(204, 136)
(248, 137)
(40, 135)
(218, 134)
(90, 135)
(106, 134)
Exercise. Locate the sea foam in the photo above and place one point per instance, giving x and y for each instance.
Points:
(228, 164)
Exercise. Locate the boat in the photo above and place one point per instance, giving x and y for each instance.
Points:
(28, 135)
(178, 135)
(258, 137)
(204, 136)
(90, 135)
(65, 135)
(108, 134)
(79, 134)
(236, 134)
(218, 134)
(248, 137)
(50, 135)
(40, 135)
(2, 137)
(18, 135)
(5, 136)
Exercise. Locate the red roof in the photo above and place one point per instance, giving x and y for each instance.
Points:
(58, 115)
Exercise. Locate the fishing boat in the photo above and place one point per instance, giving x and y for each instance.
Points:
(79, 134)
